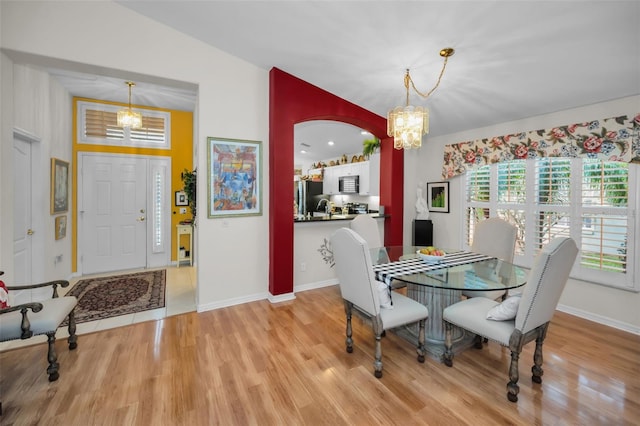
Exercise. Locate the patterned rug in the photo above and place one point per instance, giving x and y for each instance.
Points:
(106, 297)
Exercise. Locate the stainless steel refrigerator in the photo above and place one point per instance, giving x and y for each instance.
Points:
(307, 194)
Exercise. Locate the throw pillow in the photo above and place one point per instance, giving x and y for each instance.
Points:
(384, 294)
(4, 296)
(506, 310)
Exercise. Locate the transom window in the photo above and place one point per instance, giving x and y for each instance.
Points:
(589, 200)
(97, 125)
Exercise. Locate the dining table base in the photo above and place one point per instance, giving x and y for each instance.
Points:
(435, 299)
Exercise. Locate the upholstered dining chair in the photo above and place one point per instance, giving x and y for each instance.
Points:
(361, 291)
(515, 325)
(497, 238)
(367, 228)
(31, 319)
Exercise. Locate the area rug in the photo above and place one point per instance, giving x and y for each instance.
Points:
(106, 297)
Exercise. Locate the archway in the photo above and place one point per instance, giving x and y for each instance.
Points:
(292, 101)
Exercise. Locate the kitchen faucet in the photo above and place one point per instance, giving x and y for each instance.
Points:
(326, 206)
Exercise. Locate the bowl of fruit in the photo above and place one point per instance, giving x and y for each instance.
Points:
(431, 254)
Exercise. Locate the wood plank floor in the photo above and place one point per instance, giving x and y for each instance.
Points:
(285, 364)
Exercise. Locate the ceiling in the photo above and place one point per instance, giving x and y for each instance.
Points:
(513, 59)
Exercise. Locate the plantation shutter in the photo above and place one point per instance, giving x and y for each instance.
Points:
(604, 215)
(553, 198)
(98, 125)
(102, 125)
(478, 198)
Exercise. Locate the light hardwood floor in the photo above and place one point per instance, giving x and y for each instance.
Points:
(285, 364)
(179, 298)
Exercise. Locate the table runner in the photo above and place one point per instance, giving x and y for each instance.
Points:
(386, 272)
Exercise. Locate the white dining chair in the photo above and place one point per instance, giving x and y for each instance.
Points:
(493, 237)
(367, 228)
(528, 319)
(361, 291)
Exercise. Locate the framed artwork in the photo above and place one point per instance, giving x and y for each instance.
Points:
(438, 196)
(181, 198)
(61, 227)
(59, 186)
(234, 178)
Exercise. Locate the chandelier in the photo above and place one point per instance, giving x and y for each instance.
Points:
(407, 124)
(128, 118)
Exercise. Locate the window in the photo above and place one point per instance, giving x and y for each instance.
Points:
(97, 124)
(589, 200)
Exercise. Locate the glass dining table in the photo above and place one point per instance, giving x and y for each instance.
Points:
(440, 284)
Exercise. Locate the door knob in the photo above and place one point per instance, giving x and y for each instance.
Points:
(141, 210)
(30, 231)
(141, 219)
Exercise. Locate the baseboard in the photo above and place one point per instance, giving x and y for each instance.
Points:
(315, 285)
(600, 319)
(231, 302)
(261, 296)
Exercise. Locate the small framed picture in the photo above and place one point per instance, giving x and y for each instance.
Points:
(181, 199)
(61, 227)
(438, 196)
(59, 186)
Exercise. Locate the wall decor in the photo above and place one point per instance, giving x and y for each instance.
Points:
(234, 179)
(61, 227)
(181, 198)
(438, 196)
(59, 186)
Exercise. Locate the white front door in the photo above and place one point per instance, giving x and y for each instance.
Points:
(112, 212)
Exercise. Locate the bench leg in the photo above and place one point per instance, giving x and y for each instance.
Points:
(73, 339)
(52, 358)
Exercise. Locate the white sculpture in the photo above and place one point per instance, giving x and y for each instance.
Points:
(422, 209)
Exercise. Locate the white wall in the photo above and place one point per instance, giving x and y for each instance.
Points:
(230, 253)
(618, 308)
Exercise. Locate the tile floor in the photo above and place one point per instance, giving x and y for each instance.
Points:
(180, 298)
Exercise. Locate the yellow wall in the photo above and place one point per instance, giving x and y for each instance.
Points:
(181, 154)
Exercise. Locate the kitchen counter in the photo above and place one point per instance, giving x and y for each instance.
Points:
(336, 217)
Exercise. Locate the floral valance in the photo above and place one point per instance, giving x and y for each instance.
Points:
(611, 139)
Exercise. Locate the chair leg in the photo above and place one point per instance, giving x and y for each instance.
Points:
(421, 341)
(537, 356)
(477, 341)
(52, 370)
(512, 386)
(349, 332)
(73, 339)
(448, 353)
(377, 363)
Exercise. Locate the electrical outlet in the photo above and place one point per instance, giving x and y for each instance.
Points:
(303, 267)
(183, 210)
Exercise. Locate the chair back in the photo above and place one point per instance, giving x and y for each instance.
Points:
(495, 237)
(367, 228)
(545, 283)
(355, 271)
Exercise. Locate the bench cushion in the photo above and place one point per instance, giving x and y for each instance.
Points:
(54, 311)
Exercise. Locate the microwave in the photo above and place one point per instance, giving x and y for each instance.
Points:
(349, 184)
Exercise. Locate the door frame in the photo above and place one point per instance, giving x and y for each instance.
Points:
(39, 176)
(154, 258)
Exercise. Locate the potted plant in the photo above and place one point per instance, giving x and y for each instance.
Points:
(189, 179)
(370, 146)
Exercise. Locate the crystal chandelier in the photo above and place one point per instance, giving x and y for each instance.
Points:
(407, 124)
(128, 118)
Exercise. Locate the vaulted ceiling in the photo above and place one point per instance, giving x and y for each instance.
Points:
(514, 59)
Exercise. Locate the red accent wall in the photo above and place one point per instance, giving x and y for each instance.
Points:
(292, 101)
